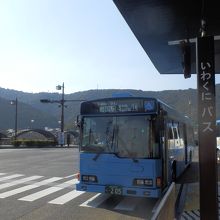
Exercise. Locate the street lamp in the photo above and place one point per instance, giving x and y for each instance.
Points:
(32, 121)
(15, 102)
(190, 109)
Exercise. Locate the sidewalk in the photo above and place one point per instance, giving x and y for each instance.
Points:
(191, 206)
(189, 199)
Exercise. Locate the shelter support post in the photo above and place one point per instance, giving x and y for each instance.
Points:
(207, 128)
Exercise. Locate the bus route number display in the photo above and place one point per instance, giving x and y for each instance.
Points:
(118, 107)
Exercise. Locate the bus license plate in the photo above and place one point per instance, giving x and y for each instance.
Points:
(115, 190)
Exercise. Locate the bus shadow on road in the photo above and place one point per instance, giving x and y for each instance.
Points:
(190, 175)
(129, 206)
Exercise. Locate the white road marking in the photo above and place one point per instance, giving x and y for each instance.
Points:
(126, 204)
(7, 150)
(95, 201)
(10, 177)
(73, 175)
(16, 182)
(66, 197)
(28, 187)
(50, 190)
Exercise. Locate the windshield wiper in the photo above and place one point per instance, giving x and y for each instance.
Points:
(135, 160)
(98, 154)
(128, 156)
(114, 134)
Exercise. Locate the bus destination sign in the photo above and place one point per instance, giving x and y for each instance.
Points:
(114, 106)
(119, 106)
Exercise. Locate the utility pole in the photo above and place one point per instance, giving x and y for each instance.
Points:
(62, 101)
(62, 105)
(15, 102)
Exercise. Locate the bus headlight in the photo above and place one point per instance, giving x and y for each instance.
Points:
(148, 182)
(92, 179)
(139, 182)
(89, 178)
(143, 182)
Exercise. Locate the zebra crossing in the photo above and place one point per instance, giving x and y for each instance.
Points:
(32, 188)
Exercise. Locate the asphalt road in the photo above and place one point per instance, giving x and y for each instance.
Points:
(39, 184)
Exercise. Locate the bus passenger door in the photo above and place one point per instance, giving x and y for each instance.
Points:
(164, 154)
(176, 138)
(171, 144)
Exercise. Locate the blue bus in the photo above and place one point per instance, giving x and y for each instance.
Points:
(133, 146)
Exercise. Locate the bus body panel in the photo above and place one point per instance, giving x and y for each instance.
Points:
(114, 171)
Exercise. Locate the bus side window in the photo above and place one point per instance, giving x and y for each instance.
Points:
(190, 136)
(182, 133)
(170, 136)
(175, 127)
(176, 136)
(170, 133)
(175, 133)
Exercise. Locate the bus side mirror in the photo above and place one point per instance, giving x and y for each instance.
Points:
(78, 121)
(163, 112)
(196, 142)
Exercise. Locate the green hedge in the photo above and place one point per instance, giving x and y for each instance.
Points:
(33, 143)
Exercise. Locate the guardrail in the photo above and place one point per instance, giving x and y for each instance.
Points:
(166, 207)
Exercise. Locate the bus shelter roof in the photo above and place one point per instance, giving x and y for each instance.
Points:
(160, 26)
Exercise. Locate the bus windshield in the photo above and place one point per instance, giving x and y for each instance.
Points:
(125, 136)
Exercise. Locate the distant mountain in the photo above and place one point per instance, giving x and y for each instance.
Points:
(28, 117)
(30, 107)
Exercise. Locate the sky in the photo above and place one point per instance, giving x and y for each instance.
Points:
(86, 44)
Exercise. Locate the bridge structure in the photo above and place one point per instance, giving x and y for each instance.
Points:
(46, 134)
(2, 135)
(40, 134)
